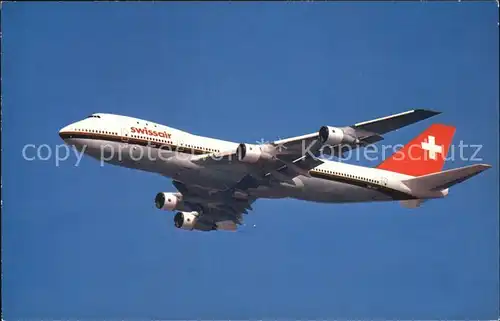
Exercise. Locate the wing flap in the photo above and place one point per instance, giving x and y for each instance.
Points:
(299, 166)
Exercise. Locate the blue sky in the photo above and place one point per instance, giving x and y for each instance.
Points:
(85, 242)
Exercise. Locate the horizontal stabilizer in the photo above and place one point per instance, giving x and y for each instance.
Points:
(443, 180)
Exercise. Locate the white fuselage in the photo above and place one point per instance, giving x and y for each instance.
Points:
(148, 146)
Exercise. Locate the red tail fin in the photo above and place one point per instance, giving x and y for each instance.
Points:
(425, 154)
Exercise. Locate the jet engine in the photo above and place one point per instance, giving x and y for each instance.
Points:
(167, 201)
(185, 220)
(335, 136)
(189, 221)
(249, 153)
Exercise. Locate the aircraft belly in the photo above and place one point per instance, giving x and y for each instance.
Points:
(162, 162)
(322, 190)
(209, 179)
(179, 168)
(217, 177)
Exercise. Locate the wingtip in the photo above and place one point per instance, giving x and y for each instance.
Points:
(430, 112)
(481, 167)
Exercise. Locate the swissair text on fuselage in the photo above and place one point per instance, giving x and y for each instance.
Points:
(150, 132)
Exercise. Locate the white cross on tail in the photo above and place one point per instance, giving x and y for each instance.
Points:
(431, 147)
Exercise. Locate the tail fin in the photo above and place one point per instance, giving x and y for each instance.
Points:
(423, 155)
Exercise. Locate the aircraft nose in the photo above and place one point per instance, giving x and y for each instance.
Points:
(64, 132)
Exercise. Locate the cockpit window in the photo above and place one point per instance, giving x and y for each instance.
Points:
(94, 116)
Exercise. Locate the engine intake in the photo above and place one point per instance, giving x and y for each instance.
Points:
(185, 220)
(167, 201)
(249, 153)
(189, 221)
(335, 136)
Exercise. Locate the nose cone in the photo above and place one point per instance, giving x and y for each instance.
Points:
(64, 133)
(69, 135)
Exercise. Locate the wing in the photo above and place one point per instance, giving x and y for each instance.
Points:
(285, 159)
(220, 210)
(362, 134)
(338, 139)
(393, 122)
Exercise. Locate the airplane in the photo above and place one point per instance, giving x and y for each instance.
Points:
(217, 181)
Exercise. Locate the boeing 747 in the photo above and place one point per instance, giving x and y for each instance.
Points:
(217, 181)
